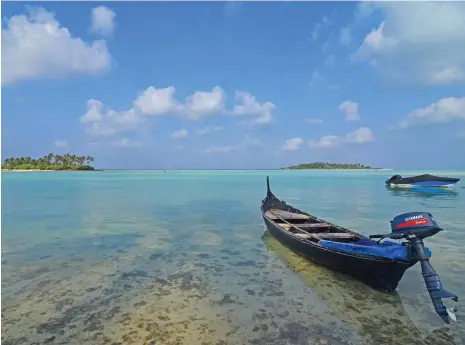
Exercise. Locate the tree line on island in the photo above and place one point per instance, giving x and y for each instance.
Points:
(325, 165)
(49, 162)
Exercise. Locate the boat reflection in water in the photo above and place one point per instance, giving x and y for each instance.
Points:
(379, 318)
(423, 192)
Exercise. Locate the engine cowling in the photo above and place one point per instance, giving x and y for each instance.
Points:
(393, 178)
(419, 224)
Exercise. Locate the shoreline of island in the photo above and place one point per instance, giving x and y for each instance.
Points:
(341, 169)
(51, 170)
(330, 166)
(50, 162)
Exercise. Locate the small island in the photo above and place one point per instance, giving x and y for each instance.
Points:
(324, 165)
(49, 162)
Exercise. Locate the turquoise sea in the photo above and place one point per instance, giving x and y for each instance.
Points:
(178, 257)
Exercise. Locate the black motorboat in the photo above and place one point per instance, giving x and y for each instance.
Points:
(380, 264)
(425, 180)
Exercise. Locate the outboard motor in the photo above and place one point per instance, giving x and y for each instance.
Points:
(414, 227)
(393, 178)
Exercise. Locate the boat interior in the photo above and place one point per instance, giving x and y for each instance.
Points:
(310, 228)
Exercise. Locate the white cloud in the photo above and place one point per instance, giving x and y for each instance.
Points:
(417, 42)
(157, 102)
(209, 129)
(362, 135)
(314, 121)
(126, 142)
(345, 36)
(292, 144)
(182, 133)
(94, 112)
(103, 20)
(61, 144)
(445, 110)
(100, 121)
(204, 103)
(325, 22)
(375, 42)
(261, 113)
(350, 109)
(325, 141)
(36, 46)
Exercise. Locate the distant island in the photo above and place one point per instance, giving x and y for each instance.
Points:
(324, 165)
(49, 162)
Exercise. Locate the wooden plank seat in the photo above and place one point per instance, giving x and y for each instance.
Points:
(305, 225)
(276, 214)
(312, 225)
(329, 235)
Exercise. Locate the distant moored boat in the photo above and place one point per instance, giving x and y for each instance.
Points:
(425, 180)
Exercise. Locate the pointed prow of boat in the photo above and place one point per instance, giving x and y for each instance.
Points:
(425, 180)
(379, 264)
(268, 190)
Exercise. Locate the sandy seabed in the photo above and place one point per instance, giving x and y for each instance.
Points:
(181, 298)
(110, 303)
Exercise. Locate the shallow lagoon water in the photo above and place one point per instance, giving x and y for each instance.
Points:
(178, 258)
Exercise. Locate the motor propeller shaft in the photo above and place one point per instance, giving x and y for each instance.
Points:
(433, 283)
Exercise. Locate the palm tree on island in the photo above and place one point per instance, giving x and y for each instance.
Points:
(49, 162)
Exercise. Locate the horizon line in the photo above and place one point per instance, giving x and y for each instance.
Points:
(264, 169)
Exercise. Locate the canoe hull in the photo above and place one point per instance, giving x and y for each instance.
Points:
(380, 274)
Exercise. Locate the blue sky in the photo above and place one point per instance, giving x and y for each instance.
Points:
(235, 85)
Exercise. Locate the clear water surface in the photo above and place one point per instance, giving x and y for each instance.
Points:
(177, 257)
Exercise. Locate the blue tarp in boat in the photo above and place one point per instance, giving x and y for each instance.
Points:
(365, 246)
